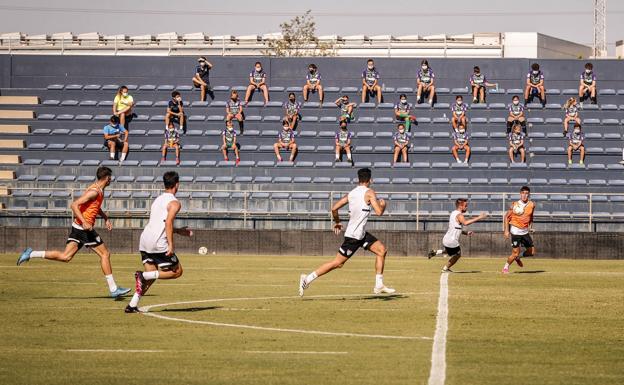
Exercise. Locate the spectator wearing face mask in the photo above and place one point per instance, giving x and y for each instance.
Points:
(461, 143)
(257, 82)
(116, 138)
(286, 141)
(370, 82)
(172, 141)
(291, 110)
(516, 144)
(571, 114)
(201, 79)
(458, 112)
(479, 84)
(122, 105)
(234, 110)
(587, 86)
(175, 111)
(576, 143)
(230, 142)
(401, 140)
(313, 83)
(516, 115)
(402, 111)
(346, 109)
(425, 83)
(343, 142)
(535, 85)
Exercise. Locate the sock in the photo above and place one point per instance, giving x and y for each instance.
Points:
(379, 280)
(151, 275)
(438, 252)
(37, 254)
(123, 156)
(349, 156)
(134, 302)
(112, 286)
(506, 266)
(408, 123)
(445, 268)
(112, 155)
(311, 277)
(337, 159)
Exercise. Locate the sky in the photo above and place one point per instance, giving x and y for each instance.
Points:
(566, 19)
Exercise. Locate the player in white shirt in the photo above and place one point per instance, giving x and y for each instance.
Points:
(457, 221)
(361, 200)
(156, 245)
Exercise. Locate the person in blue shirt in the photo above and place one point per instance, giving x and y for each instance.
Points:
(116, 138)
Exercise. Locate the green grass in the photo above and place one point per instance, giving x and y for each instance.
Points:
(560, 326)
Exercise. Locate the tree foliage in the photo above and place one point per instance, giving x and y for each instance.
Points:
(298, 39)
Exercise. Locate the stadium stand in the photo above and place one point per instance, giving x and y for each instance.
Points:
(52, 111)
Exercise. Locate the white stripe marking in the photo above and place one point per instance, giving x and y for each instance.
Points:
(290, 352)
(437, 376)
(145, 310)
(113, 351)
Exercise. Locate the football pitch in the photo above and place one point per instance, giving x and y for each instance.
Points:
(239, 320)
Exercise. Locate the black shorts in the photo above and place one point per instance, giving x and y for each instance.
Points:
(84, 238)
(452, 251)
(118, 143)
(208, 86)
(160, 259)
(521, 240)
(351, 245)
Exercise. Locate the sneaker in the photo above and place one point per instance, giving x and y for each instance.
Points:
(237, 161)
(622, 162)
(302, 284)
(519, 262)
(177, 161)
(163, 160)
(446, 270)
(383, 290)
(140, 283)
(505, 270)
(569, 162)
(131, 309)
(120, 292)
(25, 256)
(581, 162)
(432, 253)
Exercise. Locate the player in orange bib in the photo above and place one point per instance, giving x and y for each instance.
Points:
(518, 223)
(86, 209)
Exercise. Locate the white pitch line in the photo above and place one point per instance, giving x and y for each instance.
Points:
(146, 311)
(290, 352)
(437, 376)
(113, 351)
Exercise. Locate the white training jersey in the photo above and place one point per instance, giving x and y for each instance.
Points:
(359, 212)
(451, 238)
(153, 237)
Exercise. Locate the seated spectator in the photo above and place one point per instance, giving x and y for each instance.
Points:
(234, 110)
(516, 144)
(313, 83)
(172, 140)
(343, 142)
(460, 140)
(201, 79)
(346, 109)
(516, 115)
(425, 83)
(535, 85)
(122, 105)
(116, 138)
(285, 140)
(257, 82)
(230, 141)
(370, 82)
(402, 112)
(576, 143)
(401, 140)
(571, 114)
(479, 84)
(587, 86)
(175, 111)
(291, 109)
(458, 110)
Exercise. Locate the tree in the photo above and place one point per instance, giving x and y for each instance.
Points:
(298, 39)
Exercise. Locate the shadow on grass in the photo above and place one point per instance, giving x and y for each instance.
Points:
(106, 297)
(380, 297)
(467, 272)
(530, 272)
(191, 309)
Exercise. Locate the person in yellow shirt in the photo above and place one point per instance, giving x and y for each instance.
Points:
(518, 225)
(122, 105)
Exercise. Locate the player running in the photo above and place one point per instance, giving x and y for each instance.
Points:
(85, 209)
(457, 221)
(361, 199)
(518, 222)
(156, 245)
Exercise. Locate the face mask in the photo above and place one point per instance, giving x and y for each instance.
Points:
(462, 132)
(124, 93)
(345, 101)
(535, 72)
(229, 128)
(258, 69)
(178, 99)
(401, 131)
(587, 71)
(577, 132)
(370, 67)
(424, 68)
(459, 102)
(516, 102)
(203, 64)
(403, 101)
(286, 128)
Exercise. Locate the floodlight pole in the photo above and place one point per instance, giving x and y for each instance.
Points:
(600, 28)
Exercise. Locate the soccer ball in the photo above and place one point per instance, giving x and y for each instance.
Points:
(203, 250)
(518, 209)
